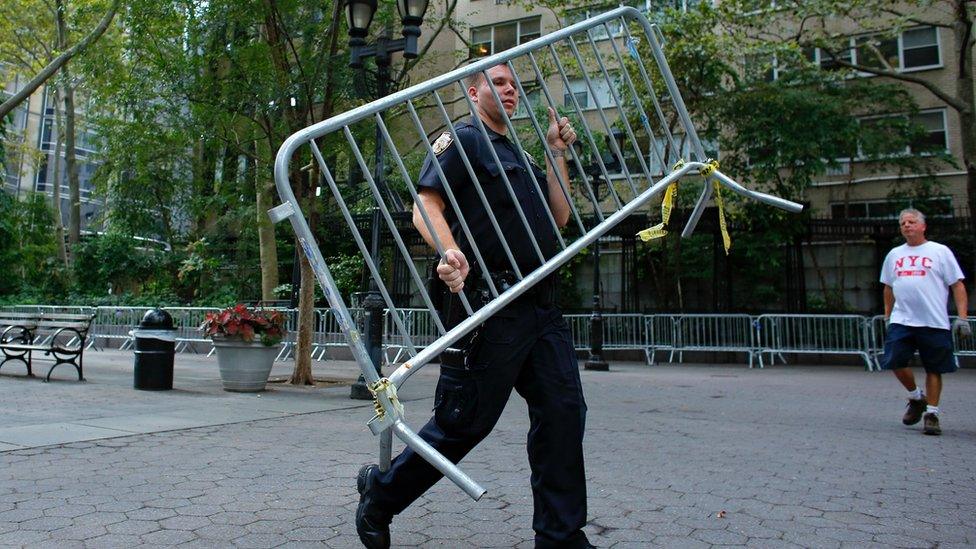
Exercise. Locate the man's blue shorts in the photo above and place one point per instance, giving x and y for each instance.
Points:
(934, 346)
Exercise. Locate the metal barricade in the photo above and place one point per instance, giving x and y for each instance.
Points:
(421, 329)
(963, 346)
(621, 332)
(641, 98)
(661, 335)
(817, 334)
(579, 327)
(112, 326)
(720, 333)
(624, 332)
(187, 321)
(878, 330)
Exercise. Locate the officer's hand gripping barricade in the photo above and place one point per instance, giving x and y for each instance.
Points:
(598, 60)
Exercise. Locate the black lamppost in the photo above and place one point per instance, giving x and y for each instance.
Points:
(595, 175)
(359, 15)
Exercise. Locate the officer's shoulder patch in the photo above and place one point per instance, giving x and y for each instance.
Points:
(442, 143)
(531, 159)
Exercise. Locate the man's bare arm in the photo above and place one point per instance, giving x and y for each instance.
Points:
(889, 301)
(454, 267)
(961, 298)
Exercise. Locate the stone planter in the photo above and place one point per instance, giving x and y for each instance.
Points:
(244, 366)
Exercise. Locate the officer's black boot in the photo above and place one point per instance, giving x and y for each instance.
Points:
(372, 524)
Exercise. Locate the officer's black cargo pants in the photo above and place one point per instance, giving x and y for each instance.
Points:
(528, 348)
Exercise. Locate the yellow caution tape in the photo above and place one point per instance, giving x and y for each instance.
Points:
(710, 166)
(667, 205)
(384, 385)
(659, 231)
(726, 239)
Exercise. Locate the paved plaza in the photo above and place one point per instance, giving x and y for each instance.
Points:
(677, 456)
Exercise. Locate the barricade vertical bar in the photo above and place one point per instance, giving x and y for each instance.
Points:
(564, 185)
(632, 47)
(513, 135)
(589, 135)
(370, 263)
(603, 116)
(501, 170)
(620, 109)
(637, 100)
(477, 185)
(579, 165)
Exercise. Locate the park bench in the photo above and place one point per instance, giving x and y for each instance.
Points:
(61, 336)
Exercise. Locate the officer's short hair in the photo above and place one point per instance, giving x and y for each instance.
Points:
(918, 215)
(474, 80)
(477, 78)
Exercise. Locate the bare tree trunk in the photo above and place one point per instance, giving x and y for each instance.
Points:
(71, 164)
(56, 179)
(267, 245)
(302, 374)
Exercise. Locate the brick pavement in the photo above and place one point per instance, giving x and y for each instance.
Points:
(788, 456)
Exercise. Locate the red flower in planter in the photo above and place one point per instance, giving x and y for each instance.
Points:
(247, 324)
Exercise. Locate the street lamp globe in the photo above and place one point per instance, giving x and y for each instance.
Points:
(359, 15)
(412, 16)
(412, 11)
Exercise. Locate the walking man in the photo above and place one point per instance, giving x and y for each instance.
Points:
(917, 277)
(526, 346)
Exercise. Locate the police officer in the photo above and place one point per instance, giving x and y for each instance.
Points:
(526, 346)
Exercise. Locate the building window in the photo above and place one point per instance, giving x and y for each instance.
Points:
(527, 106)
(579, 89)
(933, 139)
(869, 47)
(920, 48)
(914, 49)
(939, 206)
(502, 36)
(833, 57)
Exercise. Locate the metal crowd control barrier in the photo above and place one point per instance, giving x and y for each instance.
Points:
(817, 334)
(643, 101)
(878, 330)
(661, 335)
(621, 332)
(112, 324)
(964, 346)
(702, 332)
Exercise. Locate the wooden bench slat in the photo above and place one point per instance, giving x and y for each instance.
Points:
(66, 316)
(59, 324)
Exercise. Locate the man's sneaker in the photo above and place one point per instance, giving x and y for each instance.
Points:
(372, 525)
(931, 425)
(914, 411)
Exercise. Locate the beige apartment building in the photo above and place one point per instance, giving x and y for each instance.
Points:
(926, 52)
(30, 148)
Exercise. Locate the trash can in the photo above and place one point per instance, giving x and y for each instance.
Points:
(155, 347)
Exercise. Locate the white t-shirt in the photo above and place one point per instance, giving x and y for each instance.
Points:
(920, 277)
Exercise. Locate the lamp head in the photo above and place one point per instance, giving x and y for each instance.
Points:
(411, 16)
(359, 15)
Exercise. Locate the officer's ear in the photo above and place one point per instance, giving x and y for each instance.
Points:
(473, 92)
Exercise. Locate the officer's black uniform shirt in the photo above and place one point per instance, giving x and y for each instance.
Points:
(489, 176)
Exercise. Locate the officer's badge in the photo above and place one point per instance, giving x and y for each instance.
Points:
(442, 143)
(532, 160)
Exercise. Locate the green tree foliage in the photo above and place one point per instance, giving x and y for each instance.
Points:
(27, 246)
